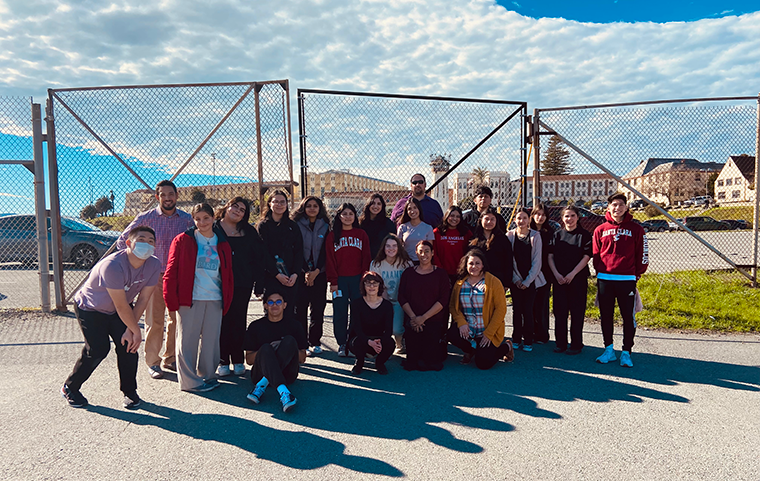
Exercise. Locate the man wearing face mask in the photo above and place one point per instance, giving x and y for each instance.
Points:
(105, 308)
(168, 222)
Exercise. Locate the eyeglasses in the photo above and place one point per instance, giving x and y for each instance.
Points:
(371, 283)
(278, 302)
(278, 202)
(417, 182)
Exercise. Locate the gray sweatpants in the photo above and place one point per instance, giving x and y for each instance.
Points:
(198, 330)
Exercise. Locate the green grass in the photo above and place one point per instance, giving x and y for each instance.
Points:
(694, 300)
(116, 223)
(745, 212)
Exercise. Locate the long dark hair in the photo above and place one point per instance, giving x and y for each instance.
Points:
(366, 216)
(405, 218)
(463, 228)
(267, 211)
(479, 236)
(402, 257)
(300, 211)
(240, 226)
(337, 225)
(475, 252)
(545, 226)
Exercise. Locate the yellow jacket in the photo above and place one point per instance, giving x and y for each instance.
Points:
(494, 308)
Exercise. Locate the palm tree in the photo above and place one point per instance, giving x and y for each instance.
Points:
(480, 176)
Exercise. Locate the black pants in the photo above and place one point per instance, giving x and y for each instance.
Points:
(429, 345)
(233, 327)
(570, 299)
(624, 292)
(279, 363)
(361, 349)
(316, 297)
(97, 328)
(522, 315)
(541, 313)
(485, 357)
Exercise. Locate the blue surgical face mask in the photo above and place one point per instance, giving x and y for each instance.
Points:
(143, 250)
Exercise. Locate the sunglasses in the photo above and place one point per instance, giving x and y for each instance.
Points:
(278, 302)
(417, 182)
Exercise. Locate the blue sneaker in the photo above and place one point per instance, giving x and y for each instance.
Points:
(625, 359)
(255, 395)
(527, 347)
(607, 356)
(288, 401)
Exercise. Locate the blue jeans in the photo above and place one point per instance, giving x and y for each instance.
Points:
(349, 287)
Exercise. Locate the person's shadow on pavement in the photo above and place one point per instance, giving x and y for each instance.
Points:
(298, 450)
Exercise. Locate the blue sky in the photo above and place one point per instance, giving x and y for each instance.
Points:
(545, 53)
(606, 11)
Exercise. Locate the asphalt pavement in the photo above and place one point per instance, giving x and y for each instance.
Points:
(689, 409)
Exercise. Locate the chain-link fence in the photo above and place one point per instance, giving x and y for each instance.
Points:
(19, 277)
(356, 144)
(687, 169)
(114, 144)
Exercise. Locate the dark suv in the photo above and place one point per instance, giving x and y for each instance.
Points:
(587, 219)
(704, 222)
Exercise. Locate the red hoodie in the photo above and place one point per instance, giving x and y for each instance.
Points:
(350, 257)
(620, 250)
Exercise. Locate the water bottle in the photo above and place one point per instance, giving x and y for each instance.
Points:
(281, 268)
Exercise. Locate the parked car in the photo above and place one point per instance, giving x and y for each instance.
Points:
(587, 219)
(656, 225)
(83, 243)
(703, 222)
(673, 226)
(599, 205)
(637, 204)
(736, 224)
(697, 201)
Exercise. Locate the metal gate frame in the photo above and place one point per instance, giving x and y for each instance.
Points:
(37, 168)
(522, 109)
(536, 133)
(61, 299)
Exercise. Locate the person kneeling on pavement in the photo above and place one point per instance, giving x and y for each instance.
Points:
(371, 324)
(103, 309)
(478, 307)
(275, 345)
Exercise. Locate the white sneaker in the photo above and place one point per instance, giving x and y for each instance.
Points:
(607, 356)
(238, 369)
(625, 359)
(223, 370)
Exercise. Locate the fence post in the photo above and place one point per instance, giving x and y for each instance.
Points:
(302, 143)
(55, 208)
(259, 156)
(757, 197)
(536, 158)
(39, 208)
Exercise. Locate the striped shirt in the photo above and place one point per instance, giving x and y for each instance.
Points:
(471, 298)
(166, 227)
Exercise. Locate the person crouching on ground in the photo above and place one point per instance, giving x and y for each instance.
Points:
(199, 285)
(103, 309)
(478, 307)
(275, 345)
(371, 324)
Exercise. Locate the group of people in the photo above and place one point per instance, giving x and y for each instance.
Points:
(395, 283)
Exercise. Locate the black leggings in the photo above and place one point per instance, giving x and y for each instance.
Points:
(522, 314)
(233, 327)
(570, 299)
(278, 363)
(485, 357)
(316, 297)
(361, 349)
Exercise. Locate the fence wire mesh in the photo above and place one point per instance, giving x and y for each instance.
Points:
(19, 279)
(115, 144)
(355, 145)
(695, 160)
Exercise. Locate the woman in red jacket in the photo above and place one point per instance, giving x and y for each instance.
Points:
(452, 239)
(198, 285)
(348, 257)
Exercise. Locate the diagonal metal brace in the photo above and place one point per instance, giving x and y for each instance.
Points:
(660, 209)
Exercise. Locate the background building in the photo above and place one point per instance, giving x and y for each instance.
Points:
(736, 181)
(670, 181)
(320, 184)
(465, 185)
